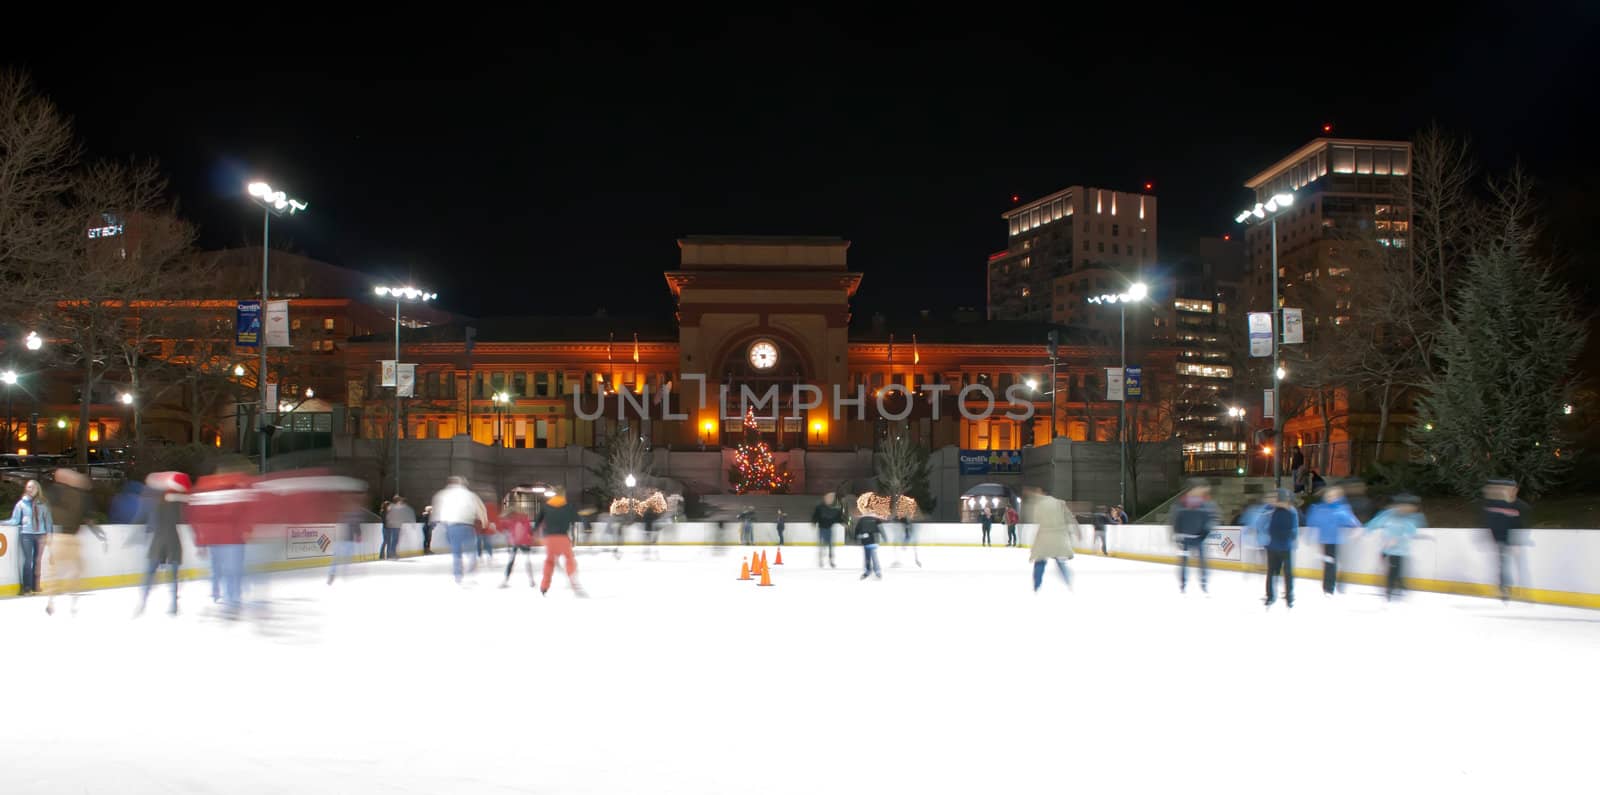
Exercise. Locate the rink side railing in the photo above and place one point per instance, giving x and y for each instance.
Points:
(1560, 567)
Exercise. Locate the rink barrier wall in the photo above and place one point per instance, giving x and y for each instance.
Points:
(1559, 567)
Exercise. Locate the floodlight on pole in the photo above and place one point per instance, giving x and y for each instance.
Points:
(406, 293)
(1276, 205)
(1136, 292)
(273, 202)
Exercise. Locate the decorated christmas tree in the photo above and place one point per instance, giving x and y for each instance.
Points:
(753, 467)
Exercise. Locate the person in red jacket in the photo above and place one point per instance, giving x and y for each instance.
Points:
(220, 513)
(519, 538)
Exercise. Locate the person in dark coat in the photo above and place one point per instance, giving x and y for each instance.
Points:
(781, 517)
(747, 526)
(1100, 520)
(1011, 526)
(1192, 522)
(826, 516)
(162, 513)
(1282, 525)
(987, 520)
(869, 533)
(1504, 516)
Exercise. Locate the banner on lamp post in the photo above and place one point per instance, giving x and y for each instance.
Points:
(1114, 383)
(407, 379)
(1133, 383)
(388, 374)
(1260, 333)
(272, 398)
(277, 324)
(247, 324)
(1294, 327)
(1269, 404)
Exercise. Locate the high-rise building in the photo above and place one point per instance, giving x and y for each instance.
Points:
(1068, 231)
(1349, 199)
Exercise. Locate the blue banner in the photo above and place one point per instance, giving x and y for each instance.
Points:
(991, 462)
(1132, 385)
(247, 324)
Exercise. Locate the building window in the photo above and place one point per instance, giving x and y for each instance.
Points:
(1116, 230)
(294, 325)
(1027, 262)
(1102, 247)
(1026, 291)
(327, 324)
(1116, 248)
(1085, 245)
(519, 384)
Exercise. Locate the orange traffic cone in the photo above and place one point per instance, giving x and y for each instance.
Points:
(766, 577)
(755, 564)
(778, 560)
(763, 560)
(744, 570)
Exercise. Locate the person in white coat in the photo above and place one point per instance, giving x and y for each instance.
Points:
(461, 512)
(1053, 540)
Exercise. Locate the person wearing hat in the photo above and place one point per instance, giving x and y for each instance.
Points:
(1504, 515)
(1397, 526)
(1192, 522)
(555, 525)
(1331, 517)
(161, 513)
(1281, 524)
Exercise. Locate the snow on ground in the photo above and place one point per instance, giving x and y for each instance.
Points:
(676, 678)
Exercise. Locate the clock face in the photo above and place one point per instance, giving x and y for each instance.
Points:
(763, 355)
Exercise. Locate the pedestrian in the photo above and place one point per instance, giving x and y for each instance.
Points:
(1100, 521)
(1193, 520)
(70, 497)
(1504, 516)
(162, 512)
(220, 516)
(1397, 527)
(781, 517)
(1297, 465)
(1011, 526)
(827, 516)
(869, 533)
(427, 530)
(747, 525)
(461, 512)
(986, 520)
(32, 518)
(1332, 518)
(1053, 540)
(1280, 526)
(519, 538)
(399, 515)
(1118, 516)
(555, 525)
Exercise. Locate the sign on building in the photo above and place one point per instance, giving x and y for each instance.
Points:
(1260, 333)
(1294, 327)
(990, 462)
(1269, 404)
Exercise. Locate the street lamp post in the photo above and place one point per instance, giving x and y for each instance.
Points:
(1275, 206)
(502, 401)
(9, 378)
(401, 294)
(1136, 292)
(273, 202)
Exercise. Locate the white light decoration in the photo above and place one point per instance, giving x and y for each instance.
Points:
(34, 341)
(630, 481)
(238, 371)
(9, 378)
(126, 398)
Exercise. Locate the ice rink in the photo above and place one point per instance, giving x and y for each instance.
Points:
(674, 677)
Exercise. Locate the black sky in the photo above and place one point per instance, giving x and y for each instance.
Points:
(543, 165)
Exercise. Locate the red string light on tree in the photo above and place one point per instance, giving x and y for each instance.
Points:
(753, 466)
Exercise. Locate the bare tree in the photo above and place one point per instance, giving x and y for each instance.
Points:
(38, 154)
(1444, 215)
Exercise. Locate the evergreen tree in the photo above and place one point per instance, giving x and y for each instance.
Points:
(753, 466)
(1507, 347)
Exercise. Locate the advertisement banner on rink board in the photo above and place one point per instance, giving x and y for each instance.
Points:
(310, 541)
(1224, 544)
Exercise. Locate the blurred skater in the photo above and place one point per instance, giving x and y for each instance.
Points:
(163, 510)
(346, 533)
(1193, 520)
(869, 533)
(781, 517)
(747, 525)
(1397, 526)
(220, 516)
(398, 515)
(427, 529)
(32, 518)
(908, 533)
(1332, 518)
(519, 538)
(827, 516)
(1011, 526)
(1100, 520)
(70, 497)
(1504, 516)
(1053, 540)
(652, 531)
(555, 525)
(461, 512)
(1281, 527)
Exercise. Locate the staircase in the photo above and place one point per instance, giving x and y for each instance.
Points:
(1231, 494)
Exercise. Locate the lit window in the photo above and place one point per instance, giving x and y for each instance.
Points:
(327, 324)
(1026, 292)
(295, 324)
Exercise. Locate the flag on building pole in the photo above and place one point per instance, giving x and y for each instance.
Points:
(635, 347)
(916, 356)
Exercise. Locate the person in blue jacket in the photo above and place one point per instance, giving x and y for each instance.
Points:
(1281, 527)
(1397, 526)
(1331, 518)
(34, 524)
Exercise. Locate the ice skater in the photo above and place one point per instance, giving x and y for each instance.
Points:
(162, 512)
(1053, 540)
(1011, 526)
(1504, 516)
(781, 517)
(1332, 519)
(32, 519)
(347, 534)
(461, 512)
(1100, 520)
(555, 525)
(519, 538)
(827, 516)
(986, 521)
(1397, 526)
(396, 516)
(747, 526)
(66, 558)
(869, 532)
(1193, 520)
(1281, 527)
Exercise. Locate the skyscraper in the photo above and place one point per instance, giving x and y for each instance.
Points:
(1070, 230)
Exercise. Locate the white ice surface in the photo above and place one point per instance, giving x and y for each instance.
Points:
(676, 678)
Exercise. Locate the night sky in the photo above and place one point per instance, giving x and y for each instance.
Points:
(536, 170)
